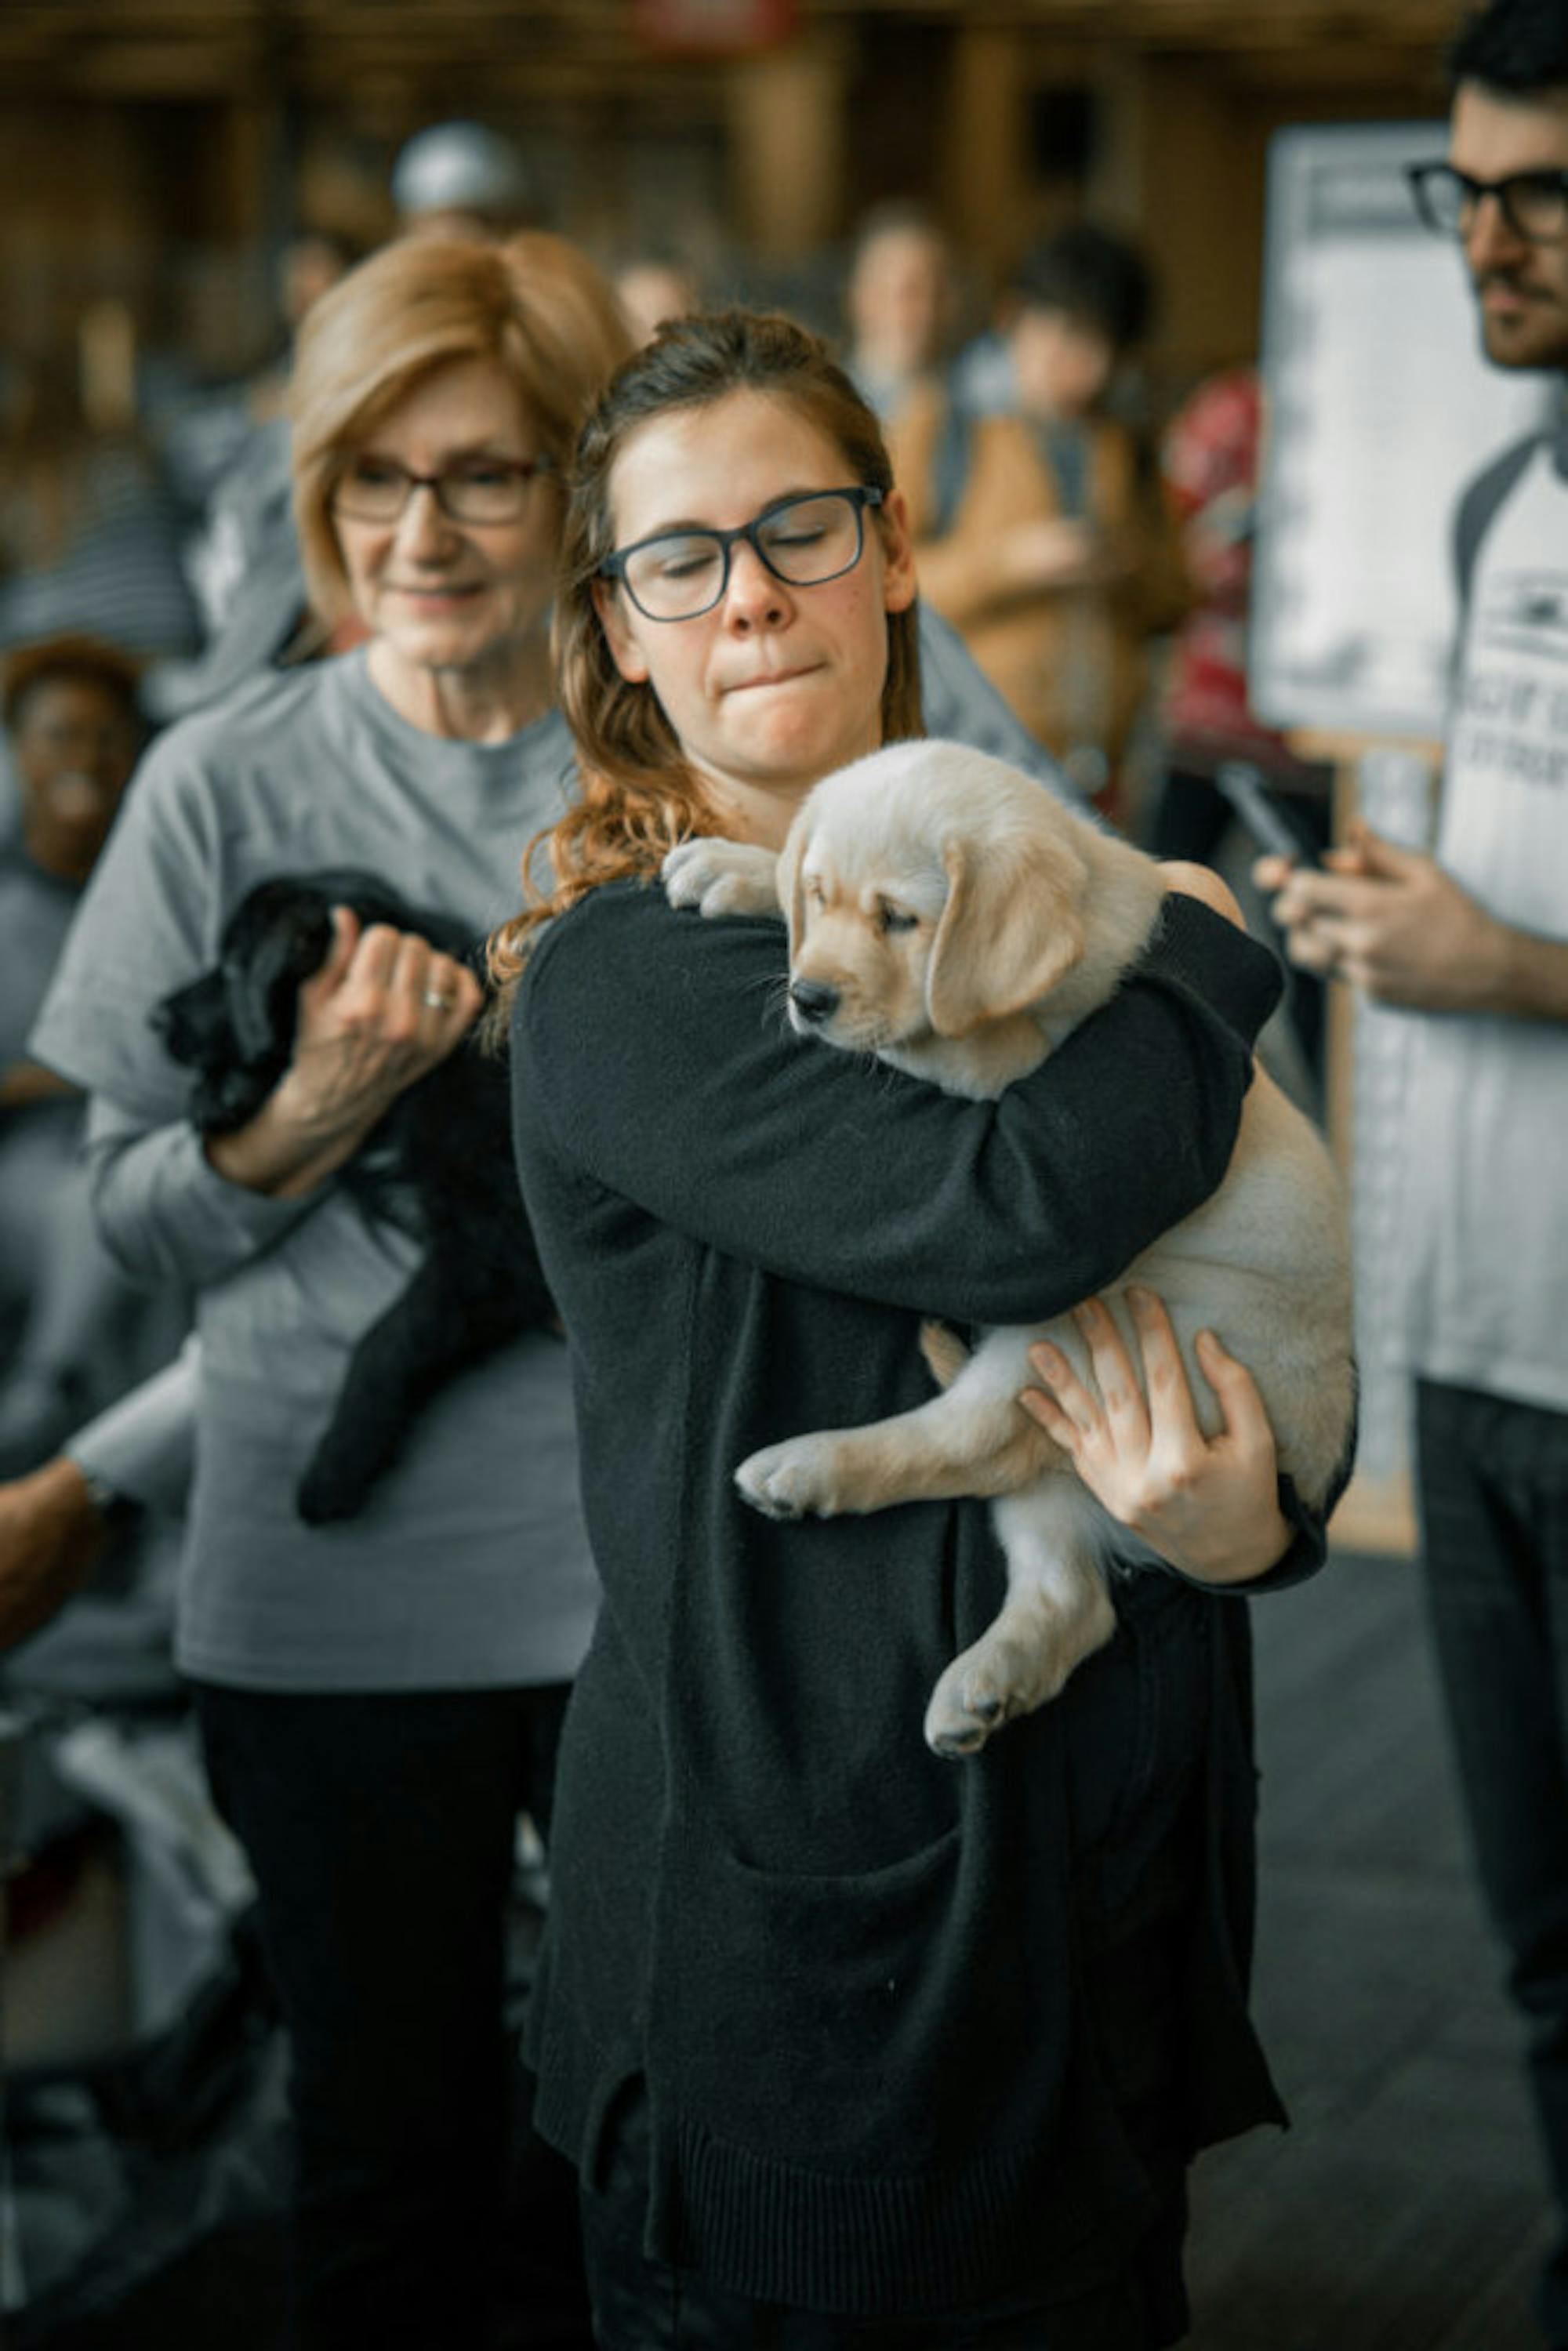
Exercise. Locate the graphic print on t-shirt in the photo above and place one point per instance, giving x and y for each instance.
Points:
(1509, 723)
(1510, 720)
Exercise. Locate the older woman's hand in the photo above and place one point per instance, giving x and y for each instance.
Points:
(384, 1009)
(1208, 1504)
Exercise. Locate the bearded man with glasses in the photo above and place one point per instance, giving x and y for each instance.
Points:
(1476, 939)
(1534, 204)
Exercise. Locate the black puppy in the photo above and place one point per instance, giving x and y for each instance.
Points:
(439, 1165)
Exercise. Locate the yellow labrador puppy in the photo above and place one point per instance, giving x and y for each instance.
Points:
(947, 914)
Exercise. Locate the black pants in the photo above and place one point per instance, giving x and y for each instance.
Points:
(1494, 1509)
(380, 1830)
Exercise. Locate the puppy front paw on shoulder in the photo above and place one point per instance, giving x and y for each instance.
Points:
(722, 877)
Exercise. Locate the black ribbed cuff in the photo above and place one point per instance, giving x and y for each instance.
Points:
(1240, 979)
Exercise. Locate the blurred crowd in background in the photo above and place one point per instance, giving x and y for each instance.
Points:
(1090, 542)
(1088, 534)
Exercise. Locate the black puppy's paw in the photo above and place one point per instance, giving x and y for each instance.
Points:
(329, 1493)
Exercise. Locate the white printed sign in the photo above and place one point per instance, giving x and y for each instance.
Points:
(1381, 407)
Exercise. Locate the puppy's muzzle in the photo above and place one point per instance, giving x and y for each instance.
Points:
(812, 1001)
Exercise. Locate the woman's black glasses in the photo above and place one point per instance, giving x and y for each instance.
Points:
(472, 489)
(803, 541)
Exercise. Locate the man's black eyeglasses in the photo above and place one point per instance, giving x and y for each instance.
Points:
(1533, 203)
(803, 540)
(473, 490)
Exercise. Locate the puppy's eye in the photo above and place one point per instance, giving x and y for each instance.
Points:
(896, 918)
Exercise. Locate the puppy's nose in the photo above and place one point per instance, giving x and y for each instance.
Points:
(813, 1000)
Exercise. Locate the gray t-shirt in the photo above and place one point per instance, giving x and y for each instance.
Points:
(469, 1567)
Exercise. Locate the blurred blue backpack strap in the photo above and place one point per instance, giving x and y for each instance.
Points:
(950, 460)
(962, 705)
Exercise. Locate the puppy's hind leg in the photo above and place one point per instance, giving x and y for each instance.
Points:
(946, 1354)
(1058, 1612)
(432, 1330)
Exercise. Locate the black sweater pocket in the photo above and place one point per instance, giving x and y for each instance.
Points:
(841, 2115)
(797, 2021)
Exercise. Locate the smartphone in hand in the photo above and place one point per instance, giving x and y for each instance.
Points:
(1269, 822)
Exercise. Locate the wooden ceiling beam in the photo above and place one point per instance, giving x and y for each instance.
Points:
(185, 47)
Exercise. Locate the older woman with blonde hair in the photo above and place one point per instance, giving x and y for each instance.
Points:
(378, 1698)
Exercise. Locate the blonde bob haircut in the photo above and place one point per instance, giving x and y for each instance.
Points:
(535, 304)
(636, 796)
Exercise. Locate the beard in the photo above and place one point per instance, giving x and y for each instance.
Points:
(1535, 334)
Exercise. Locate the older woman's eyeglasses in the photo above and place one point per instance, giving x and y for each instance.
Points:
(1533, 203)
(804, 540)
(472, 489)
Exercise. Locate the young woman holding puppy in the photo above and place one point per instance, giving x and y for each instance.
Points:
(851, 2044)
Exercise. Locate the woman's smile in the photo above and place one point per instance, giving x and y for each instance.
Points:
(444, 592)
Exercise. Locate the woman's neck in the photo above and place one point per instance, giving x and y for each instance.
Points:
(761, 810)
(486, 703)
(758, 814)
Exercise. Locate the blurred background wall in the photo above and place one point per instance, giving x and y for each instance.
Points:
(155, 154)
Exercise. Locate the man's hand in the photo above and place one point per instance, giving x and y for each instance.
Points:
(51, 1538)
(1057, 551)
(24, 1083)
(1392, 922)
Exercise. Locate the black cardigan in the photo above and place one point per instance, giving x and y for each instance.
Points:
(845, 1968)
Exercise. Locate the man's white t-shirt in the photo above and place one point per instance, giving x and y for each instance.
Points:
(1487, 1140)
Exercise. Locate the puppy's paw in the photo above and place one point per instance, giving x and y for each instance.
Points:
(722, 877)
(791, 1481)
(972, 1699)
(1020, 1662)
(325, 1495)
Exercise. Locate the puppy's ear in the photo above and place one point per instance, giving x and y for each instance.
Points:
(194, 1022)
(264, 992)
(1013, 927)
(791, 898)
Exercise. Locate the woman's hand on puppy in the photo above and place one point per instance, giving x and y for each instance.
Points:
(1208, 1504)
(384, 1007)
